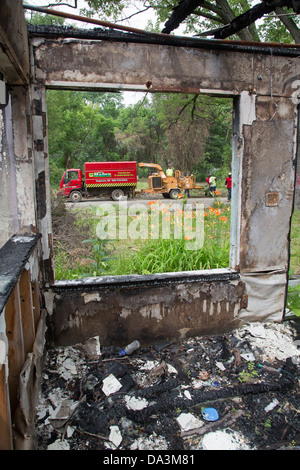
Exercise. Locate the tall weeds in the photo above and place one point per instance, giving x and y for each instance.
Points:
(172, 255)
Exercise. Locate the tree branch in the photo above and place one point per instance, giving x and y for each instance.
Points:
(61, 4)
(289, 24)
(134, 14)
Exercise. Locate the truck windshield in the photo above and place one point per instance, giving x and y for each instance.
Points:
(70, 175)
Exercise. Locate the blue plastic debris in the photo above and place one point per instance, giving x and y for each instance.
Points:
(216, 384)
(210, 414)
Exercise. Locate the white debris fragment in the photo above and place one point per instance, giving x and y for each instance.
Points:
(171, 369)
(41, 413)
(224, 440)
(148, 365)
(59, 445)
(198, 383)
(91, 347)
(150, 443)
(70, 366)
(187, 394)
(70, 431)
(257, 330)
(271, 405)
(220, 365)
(248, 356)
(3, 352)
(115, 438)
(187, 421)
(134, 403)
(111, 385)
(274, 340)
(62, 413)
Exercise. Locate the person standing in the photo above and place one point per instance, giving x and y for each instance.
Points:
(212, 185)
(186, 181)
(228, 184)
(170, 170)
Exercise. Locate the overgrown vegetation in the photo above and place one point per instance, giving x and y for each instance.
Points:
(73, 258)
(78, 253)
(293, 298)
(295, 244)
(158, 255)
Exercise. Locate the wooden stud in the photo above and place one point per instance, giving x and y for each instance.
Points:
(16, 351)
(27, 311)
(6, 441)
(36, 302)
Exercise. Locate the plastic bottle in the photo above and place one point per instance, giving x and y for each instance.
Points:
(130, 348)
(270, 369)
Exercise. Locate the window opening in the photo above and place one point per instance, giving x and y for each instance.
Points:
(293, 293)
(152, 209)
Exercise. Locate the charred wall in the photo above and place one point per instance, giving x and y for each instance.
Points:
(172, 307)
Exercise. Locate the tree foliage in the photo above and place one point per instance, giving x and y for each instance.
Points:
(191, 130)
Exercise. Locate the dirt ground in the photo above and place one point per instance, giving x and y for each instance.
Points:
(238, 391)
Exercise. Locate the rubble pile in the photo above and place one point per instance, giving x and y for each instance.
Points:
(235, 391)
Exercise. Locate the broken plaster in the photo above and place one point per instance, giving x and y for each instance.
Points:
(247, 108)
(91, 297)
(3, 352)
(152, 311)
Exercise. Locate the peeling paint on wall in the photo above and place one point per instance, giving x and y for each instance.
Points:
(248, 112)
(91, 297)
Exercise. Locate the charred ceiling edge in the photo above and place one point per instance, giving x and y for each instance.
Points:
(56, 32)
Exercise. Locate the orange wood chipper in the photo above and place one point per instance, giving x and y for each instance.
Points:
(169, 186)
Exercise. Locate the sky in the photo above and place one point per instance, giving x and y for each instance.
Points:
(139, 21)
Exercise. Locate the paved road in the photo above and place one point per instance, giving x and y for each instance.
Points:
(144, 201)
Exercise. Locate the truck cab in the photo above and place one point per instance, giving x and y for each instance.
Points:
(71, 184)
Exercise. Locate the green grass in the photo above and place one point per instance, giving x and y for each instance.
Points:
(295, 244)
(293, 297)
(179, 254)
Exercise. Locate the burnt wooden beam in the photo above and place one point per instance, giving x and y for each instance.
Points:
(180, 13)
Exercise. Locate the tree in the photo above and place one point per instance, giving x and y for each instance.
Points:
(140, 132)
(233, 17)
(81, 127)
(185, 120)
(197, 131)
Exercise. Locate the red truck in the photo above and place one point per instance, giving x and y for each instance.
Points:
(114, 179)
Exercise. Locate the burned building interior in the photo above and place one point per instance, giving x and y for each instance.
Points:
(200, 332)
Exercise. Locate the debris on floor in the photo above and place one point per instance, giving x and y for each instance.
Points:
(235, 391)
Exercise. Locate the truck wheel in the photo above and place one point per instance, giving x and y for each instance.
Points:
(174, 193)
(117, 194)
(76, 196)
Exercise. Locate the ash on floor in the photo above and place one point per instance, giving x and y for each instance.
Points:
(235, 391)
